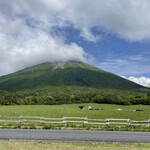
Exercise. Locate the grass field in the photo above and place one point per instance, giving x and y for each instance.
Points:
(72, 110)
(49, 146)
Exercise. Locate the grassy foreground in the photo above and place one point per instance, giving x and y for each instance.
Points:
(49, 146)
(72, 110)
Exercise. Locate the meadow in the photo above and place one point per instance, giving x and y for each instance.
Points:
(72, 110)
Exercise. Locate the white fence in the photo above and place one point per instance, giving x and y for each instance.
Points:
(65, 120)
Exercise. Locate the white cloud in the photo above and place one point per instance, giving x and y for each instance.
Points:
(26, 27)
(87, 35)
(140, 80)
(34, 47)
(129, 19)
(23, 44)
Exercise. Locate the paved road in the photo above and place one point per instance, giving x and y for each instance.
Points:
(74, 136)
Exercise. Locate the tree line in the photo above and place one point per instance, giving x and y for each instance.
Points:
(18, 99)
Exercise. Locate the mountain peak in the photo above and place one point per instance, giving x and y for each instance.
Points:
(59, 65)
(64, 74)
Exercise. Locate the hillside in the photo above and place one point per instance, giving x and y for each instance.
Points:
(64, 74)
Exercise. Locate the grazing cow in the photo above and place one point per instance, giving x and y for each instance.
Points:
(90, 108)
(137, 110)
(81, 107)
(119, 109)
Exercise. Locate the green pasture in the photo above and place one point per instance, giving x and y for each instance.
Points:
(72, 110)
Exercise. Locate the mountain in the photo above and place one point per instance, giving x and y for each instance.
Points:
(64, 74)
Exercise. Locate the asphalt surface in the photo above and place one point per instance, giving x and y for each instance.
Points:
(73, 136)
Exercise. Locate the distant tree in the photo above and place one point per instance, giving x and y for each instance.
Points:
(148, 94)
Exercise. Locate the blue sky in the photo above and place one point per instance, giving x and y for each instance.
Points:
(113, 50)
(112, 35)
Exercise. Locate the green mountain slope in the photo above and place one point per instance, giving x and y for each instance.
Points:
(64, 74)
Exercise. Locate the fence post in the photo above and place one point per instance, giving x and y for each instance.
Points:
(64, 119)
(20, 119)
(107, 121)
(42, 119)
(85, 120)
(128, 122)
(149, 123)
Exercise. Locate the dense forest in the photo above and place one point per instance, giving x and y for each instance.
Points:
(7, 98)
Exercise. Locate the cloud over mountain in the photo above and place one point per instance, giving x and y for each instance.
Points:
(27, 36)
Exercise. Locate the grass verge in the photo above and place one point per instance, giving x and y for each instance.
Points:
(50, 146)
(74, 127)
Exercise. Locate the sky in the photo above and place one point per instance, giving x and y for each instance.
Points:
(113, 35)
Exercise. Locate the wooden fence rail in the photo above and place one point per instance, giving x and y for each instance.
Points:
(83, 120)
